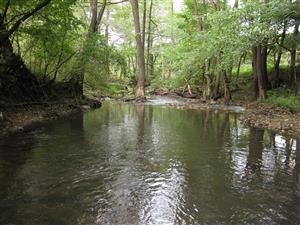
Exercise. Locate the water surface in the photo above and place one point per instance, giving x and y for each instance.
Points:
(144, 164)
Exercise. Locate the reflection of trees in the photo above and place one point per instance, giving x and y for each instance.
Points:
(254, 160)
(288, 150)
(14, 152)
(297, 160)
(141, 122)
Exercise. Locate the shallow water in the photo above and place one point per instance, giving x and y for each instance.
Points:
(148, 164)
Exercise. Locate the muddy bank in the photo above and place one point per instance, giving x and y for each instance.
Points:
(17, 117)
(272, 117)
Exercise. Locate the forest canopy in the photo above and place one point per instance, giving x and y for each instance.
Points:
(207, 48)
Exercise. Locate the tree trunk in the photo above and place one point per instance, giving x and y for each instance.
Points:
(16, 81)
(254, 71)
(239, 66)
(216, 92)
(293, 69)
(236, 4)
(144, 23)
(227, 93)
(107, 26)
(149, 44)
(96, 17)
(260, 74)
(207, 86)
(277, 63)
(172, 27)
(264, 56)
(139, 92)
(196, 14)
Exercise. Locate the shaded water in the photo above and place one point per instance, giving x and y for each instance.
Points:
(137, 164)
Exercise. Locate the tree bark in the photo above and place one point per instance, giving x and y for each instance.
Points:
(277, 63)
(149, 44)
(144, 23)
(16, 81)
(254, 71)
(207, 86)
(239, 66)
(196, 14)
(96, 16)
(236, 4)
(227, 93)
(140, 87)
(293, 69)
(264, 56)
(260, 74)
(259, 69)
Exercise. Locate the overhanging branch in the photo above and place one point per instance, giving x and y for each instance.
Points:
(26, 16)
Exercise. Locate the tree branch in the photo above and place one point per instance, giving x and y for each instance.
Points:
(113, 3)
(26, 16)
(5, 9)
(100, 14)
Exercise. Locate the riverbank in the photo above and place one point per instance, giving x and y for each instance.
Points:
(254, 114)
(17, 117)
(272, 117)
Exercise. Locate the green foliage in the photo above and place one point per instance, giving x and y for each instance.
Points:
(283, 97)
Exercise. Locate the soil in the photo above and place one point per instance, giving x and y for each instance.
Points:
(18, 117)
(272, 117)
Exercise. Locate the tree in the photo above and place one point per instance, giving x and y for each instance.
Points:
(140, 87)
(14, 75)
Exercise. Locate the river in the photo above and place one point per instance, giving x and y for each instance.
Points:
(149, 164)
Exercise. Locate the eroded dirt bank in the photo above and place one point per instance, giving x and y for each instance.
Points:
(17, 117)
(273, 118)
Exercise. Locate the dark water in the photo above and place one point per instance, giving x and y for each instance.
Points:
(126, 164)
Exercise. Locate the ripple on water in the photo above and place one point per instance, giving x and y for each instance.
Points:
(129, 165)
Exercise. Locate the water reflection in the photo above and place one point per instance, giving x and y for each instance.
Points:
(126, 164)
(256, 142)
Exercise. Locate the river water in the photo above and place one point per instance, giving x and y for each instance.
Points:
(149, 164)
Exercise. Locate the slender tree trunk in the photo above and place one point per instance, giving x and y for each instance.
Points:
(260, 74)
(149, 43)
(293, 69)
(172, 27)
(264, 55)
(239, 66)
(196, 14)
(236, 4)
(139, 92)
(107, 26)
(277, 63)
(144, 23)
(254, 71)
(207, 86)
(96, 16)
(227, 92)
(218, 79)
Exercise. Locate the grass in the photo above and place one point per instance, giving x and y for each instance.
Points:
(284, 98)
